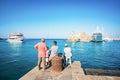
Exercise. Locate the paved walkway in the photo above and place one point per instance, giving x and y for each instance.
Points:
(72, 72)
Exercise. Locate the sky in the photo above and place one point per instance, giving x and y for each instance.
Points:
(59, 18)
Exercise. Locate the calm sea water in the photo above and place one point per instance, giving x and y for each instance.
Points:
(18, 59)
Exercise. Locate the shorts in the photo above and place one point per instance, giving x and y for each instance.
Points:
(47, 59)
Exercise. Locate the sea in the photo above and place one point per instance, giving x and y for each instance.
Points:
(16, 59)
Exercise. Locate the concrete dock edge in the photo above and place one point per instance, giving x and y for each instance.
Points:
(71, 72)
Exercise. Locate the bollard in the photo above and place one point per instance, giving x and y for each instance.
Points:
(57, 64)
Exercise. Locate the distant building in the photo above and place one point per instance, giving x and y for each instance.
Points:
(97, 35)
(80, 37)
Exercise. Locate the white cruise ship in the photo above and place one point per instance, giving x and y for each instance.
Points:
(15, 37)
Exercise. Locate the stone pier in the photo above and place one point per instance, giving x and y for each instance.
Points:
(71, 72)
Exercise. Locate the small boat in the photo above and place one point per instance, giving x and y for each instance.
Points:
(1, 38)
(107, 39)
(15, 37)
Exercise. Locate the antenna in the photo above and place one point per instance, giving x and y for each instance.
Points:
(98, 30)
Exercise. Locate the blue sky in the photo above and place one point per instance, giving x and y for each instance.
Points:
(58, 18)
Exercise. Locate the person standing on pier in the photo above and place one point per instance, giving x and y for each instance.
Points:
(68, 54)
(53, 50)
(42, 48)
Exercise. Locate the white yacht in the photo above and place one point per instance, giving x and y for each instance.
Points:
(97, 35)
(15, 37)
(107, 39)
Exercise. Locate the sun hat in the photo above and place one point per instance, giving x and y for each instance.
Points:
(66, 44)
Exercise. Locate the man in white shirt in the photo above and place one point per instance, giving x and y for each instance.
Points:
(54, 50)
(68, 54)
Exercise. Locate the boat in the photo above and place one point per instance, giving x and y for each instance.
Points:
(15, 37)
(107, 39)
(1, 38)
(97, 35)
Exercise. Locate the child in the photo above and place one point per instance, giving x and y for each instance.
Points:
(47, 56)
